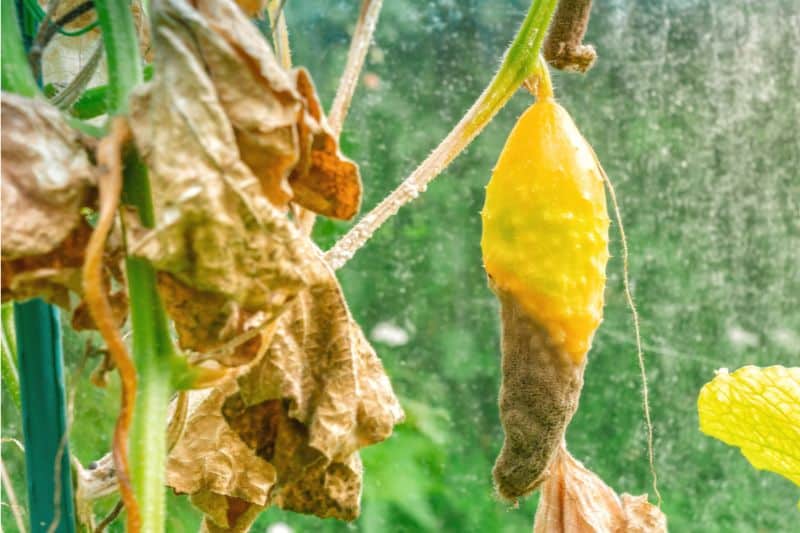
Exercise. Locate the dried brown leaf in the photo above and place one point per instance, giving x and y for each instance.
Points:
(280, 130)
(301, 411)
(47, 177)
(214, 231)
(51, 275)
(575, 500)
(210, 456)
(207, 323)
(321, 364)
(325, 181)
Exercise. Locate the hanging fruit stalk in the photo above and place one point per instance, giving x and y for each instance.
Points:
(545, 249)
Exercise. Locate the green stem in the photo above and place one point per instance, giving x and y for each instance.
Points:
(122, 52)
(519, 63)
(9, 366)
(17, 76)
(152, 346)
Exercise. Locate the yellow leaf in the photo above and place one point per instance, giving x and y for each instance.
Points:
(757, 410)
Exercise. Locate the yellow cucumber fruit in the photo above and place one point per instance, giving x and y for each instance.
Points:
(545, 226)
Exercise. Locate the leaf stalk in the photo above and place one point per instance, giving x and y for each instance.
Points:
(518, 64)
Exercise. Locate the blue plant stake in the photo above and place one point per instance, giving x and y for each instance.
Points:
(40, 360)
(44, 421)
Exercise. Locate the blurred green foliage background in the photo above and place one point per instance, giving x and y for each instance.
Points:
(693, 110)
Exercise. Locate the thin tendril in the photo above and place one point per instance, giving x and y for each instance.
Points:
(635, 315)
(110, 185)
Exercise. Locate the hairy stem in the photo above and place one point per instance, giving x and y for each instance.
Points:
(359, 45)
(518, 64)
(152, 346)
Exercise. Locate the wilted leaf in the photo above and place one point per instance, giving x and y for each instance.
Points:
(575, 500)
(278, 123)
(324, 181)
(304, 408)
(320, 362)
(214, 230)
(47, 177)
(758, 411)
(211, 457)
(51, 275)
(207, 323)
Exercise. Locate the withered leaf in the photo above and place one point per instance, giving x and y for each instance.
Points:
(210, 456)
(47, 177)
(207, 323)
(324, 181)
(215, 232)
(303, 409)
(51, 275)
(280, 130)
(317, 361)
(576, 500)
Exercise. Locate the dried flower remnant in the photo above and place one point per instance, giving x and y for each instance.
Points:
(538, 396)
(576, 500)
(545, 249)
(563, 48)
